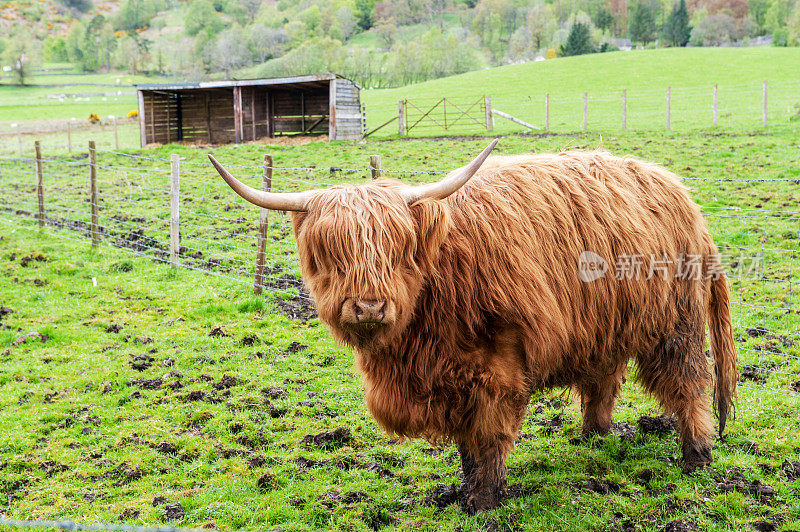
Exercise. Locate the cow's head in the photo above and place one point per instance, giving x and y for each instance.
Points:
(366, 250)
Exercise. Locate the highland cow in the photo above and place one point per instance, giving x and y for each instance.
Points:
(463, 297)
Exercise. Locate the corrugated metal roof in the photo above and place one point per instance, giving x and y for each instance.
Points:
(238, 83)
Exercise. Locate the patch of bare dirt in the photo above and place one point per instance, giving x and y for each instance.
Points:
(657, 425)
(737, 482)
(330, 439)
(681, 525)
(297, 308)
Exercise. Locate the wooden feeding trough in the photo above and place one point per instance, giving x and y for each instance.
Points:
(222, 112)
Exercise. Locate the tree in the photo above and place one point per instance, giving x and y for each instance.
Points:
(676, 29)
(267, 43)
(642, 23)
(347, 21)
(20, 55)
(81, 6)
(365, 13)
(714, 30)
(201, 16)
(604, 19)
(579, 41)
(134, 14)
(227, 53)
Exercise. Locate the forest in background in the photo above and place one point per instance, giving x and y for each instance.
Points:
(377, 44)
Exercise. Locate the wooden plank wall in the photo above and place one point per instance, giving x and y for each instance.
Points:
(199, 113)
(348, 110)
(208, 115)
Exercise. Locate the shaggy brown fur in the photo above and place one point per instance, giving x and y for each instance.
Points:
(485, 304)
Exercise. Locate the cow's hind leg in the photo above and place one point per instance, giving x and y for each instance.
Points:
(677, 373)
(598, 397)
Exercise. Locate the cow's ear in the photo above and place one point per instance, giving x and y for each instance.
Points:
(432, 221)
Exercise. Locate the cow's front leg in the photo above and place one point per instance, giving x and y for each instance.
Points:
(484, 484)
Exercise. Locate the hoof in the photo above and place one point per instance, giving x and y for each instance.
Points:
(696, 455)
(474, 503)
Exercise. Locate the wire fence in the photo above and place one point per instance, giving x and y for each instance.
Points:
(181, 213)
(419, 114)
(646, 109)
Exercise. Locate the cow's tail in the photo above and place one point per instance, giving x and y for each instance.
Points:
(722, 349)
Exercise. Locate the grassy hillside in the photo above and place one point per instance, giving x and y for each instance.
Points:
(520, 89)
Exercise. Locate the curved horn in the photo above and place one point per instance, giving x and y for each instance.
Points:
(284, 201)
(448, 185)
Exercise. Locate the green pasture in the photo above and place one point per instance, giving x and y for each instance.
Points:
(179, 397)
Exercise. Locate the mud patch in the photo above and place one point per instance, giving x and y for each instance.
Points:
(166, 447)
(218, 331)
(553, 424)
(660, 425)
(737, 482)
(330, 439)
(274, 392)
(791, 470)
(114, 328)
(31, 337)
(174, 512)
(681, 525)
(601, 485)
(141, 362)
(250, 340)
(624, 430)
(266, 482)
(753, 373)
(297, 308)
(147, 384)
(442, 496)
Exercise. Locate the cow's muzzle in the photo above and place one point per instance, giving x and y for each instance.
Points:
(367, 313)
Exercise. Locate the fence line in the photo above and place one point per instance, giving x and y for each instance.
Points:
(168, 211)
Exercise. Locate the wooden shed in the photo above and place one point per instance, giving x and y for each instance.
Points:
(221, 112)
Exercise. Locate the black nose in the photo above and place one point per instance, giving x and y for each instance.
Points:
(368, 310)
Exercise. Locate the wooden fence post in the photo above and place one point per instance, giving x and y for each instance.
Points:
(487, 104)
(624, 109)
(39, 182)
(19, 139)
(547, 110)
(716, 108)
(585, 110)
(263, 227)
(764, 103)
(401, 117)
(69, 136)
(116, 134)
(669, 108)
(174, 210)
(93, 193)
(375, 166)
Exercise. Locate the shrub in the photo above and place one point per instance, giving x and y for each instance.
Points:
(94, 118)
(133, 114)
(550, 54)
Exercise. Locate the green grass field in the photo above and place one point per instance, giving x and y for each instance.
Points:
(178, 397)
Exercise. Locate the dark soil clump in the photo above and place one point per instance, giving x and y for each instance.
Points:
(657, 425)
(737, 482)
(174, 512)
(791, 470)
(166, 447)
(266, 482)
(218, 332)
(442, 496)
(114, 328)
(297, 308)
(753, 373)
(330, 439)
(681, 525)
(142, 362)
(601, 486)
